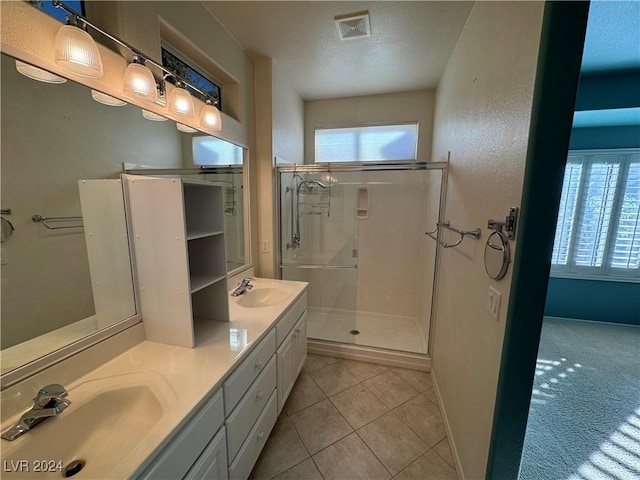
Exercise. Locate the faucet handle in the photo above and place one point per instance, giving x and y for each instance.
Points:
(247, 280)
(53, 392)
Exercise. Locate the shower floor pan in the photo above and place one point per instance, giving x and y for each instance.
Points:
(366, 329)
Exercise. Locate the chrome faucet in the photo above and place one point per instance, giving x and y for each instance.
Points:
(243, 287)
(49, 402)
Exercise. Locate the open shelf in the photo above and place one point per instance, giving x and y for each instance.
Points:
(200, 281)
(164, 210)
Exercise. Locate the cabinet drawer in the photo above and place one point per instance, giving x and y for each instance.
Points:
(238, 383)
(246, 458)
(176, 460)
(243, 417)
(212, 464)
(289, 319)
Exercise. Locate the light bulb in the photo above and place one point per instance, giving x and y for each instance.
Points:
(180, 101)
(76, 51)
(139, 81)
(106, 99)
(36, 73)
(185, 128)
(210, 117)
(153, 116)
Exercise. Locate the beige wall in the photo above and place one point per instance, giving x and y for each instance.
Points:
(369, 110)
(483, 108)
(279, 134)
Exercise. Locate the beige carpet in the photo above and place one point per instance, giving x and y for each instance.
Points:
(584, 419)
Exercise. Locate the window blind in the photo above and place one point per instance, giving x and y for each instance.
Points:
(598, 229)
(367, 144)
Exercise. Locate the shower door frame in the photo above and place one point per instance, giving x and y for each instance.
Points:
(367, 167)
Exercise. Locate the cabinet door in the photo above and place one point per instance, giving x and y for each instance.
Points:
(286, 358)
(300, 342)
(212, 464)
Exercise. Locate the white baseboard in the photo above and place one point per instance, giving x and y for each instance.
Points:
(447, 427)
(392, 358)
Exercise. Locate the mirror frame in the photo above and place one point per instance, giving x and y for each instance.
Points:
(506, 256)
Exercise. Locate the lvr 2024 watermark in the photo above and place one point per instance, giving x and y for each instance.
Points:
(32, 466)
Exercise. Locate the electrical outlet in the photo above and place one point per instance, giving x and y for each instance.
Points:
(493, 302)
(265, 246)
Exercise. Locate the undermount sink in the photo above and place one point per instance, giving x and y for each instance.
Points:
(262, 297)
(107, 419)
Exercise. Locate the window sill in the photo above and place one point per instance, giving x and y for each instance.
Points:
(597, 278)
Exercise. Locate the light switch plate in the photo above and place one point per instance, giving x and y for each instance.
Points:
(493, 302)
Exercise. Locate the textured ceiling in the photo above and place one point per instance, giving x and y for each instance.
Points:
(409, 46)
(612, 43)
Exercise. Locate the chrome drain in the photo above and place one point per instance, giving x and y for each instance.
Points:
(73, 468)
(354, 332)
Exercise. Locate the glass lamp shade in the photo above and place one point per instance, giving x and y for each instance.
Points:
(181, 102)
(153, 116)
(210, 118)
(76, 51)
(106, 99)
(36, 73)
(139, 82)
(185, 128)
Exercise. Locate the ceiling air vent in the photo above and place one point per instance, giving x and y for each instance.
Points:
(354, 25)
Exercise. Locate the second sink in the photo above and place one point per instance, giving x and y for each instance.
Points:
(263, 297)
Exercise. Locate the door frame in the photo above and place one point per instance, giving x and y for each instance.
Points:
(558, 71)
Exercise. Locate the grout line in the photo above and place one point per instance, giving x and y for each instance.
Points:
(354, 430)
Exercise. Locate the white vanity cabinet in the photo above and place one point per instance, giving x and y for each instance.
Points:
(291, 332)
(198, 447)
(178, 239)
(224, 438)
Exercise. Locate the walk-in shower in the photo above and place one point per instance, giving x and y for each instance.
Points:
(357, 235)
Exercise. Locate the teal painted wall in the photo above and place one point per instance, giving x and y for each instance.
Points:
(592, 299)
(617, 302)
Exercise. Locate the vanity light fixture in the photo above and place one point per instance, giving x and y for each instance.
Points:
(154, 117)
(105, 99)
(75, 50)
(36, 73)
(185, 128)
(139, 81)
(210, 117)
(180, 101)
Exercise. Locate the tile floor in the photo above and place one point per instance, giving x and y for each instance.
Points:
(348, 420)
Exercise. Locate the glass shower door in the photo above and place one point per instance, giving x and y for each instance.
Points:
(319, 237)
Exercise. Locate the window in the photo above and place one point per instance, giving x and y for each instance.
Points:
(367, 144)
(48, 7)
(172, 62)
(213, 151)
(598, 229)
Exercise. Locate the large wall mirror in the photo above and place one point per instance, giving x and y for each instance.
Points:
(62, 284)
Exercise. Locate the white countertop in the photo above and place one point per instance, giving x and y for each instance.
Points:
(186, 375)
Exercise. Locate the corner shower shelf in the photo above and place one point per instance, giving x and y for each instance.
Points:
(178, 238)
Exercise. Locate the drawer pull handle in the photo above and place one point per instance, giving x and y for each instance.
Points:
(260, 396)
(258, 365)
(260, 436)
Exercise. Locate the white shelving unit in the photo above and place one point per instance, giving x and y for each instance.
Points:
(178, 238)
